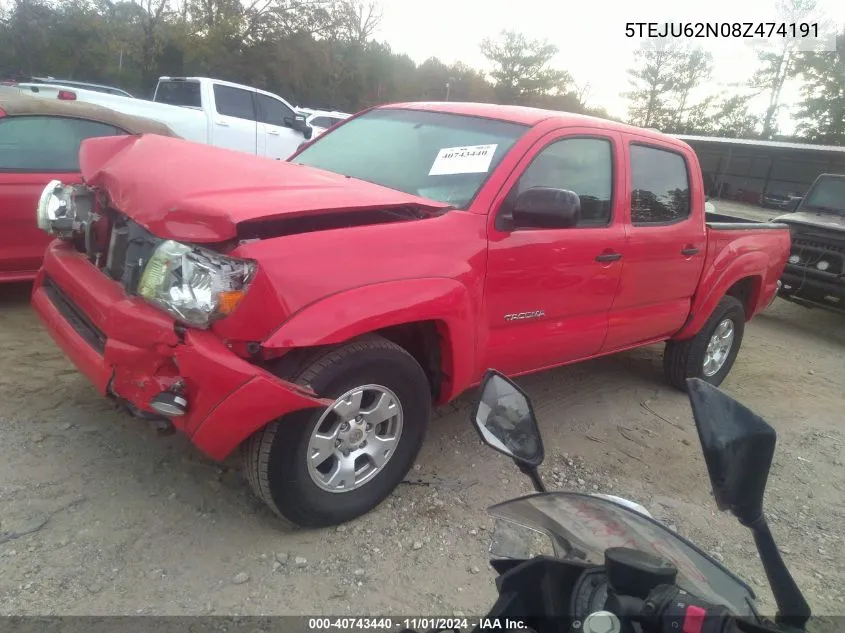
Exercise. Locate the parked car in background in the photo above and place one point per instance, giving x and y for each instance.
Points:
(321, 120)
(312, 311)
(239, 117)
(72, 83)
(783, 201)
(39, 142)
(210, 112)
(815, 270)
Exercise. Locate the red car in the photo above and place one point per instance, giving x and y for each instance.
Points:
(39, 142)
(311, 311)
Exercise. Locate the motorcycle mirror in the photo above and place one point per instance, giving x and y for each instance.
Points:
(504, 418)
(738, 447)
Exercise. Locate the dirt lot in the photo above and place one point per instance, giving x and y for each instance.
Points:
(101, 516)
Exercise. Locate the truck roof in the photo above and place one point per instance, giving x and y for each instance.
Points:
(528, 116)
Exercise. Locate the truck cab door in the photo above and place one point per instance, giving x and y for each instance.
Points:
(548, 291)
(276, 136)
(666, 244)
(234, 123)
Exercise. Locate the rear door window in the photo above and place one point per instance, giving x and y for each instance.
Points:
(660, 190)
(46, 144)
(234, 102)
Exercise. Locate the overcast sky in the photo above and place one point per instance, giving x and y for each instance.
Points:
(589, 34)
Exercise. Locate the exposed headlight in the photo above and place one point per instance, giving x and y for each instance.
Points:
(55, 212)
(823, 265)
(194, 284)
(63, 209)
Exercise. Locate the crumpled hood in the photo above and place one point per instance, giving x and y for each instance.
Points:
(181, 190)
(813, 219)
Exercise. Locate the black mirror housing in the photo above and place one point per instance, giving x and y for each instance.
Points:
(504, 419)
(738, 448)
(546, 208)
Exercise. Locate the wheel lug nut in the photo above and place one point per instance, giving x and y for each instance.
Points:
(344, 426)
(363, 444)
(369, 427)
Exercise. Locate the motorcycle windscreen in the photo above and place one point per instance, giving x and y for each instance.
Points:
(582, 527)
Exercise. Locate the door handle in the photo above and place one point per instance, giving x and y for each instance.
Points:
(273, 132)
(689, 251)
(608, 257)
(222, 123)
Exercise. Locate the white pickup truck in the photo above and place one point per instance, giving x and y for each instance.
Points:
(207, 111)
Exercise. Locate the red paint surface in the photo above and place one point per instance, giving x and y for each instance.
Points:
(22, 243)
(214, 189)
(456, 271)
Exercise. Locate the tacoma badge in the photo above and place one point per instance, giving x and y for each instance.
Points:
(521, 316)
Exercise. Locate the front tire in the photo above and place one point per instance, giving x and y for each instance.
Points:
(711, 353)
(318, 468)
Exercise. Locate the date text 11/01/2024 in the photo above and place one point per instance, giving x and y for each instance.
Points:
(722, 29)
(457, 624)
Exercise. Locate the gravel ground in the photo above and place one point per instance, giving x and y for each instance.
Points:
(100, 516)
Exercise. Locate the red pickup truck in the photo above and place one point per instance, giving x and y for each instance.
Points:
(311, 311)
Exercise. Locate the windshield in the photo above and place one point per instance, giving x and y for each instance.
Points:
(828, 194)
(443, 157)
(583, 526)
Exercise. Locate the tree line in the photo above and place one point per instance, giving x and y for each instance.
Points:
(666, 74)
(317, 53)
(322, 54)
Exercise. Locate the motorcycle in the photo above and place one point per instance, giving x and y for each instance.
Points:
(613, 567)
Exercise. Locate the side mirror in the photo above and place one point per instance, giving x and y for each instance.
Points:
(505, 420)
(298, 122)
(738, 448)
(546, 208)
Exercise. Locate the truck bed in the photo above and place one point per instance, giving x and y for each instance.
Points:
(733, 223)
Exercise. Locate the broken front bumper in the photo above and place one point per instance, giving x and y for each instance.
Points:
(131, 351)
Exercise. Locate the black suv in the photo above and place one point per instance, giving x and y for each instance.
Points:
(815, 271)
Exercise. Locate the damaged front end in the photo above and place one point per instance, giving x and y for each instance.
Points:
(133, 312)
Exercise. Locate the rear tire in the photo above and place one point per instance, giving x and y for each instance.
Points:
(276, 457)
(708, 355)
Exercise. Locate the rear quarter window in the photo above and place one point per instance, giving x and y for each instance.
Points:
(45, 144)
(179, 93)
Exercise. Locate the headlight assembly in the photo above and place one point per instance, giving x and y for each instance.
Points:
(194, 284)
(54, 211)
(63, 209)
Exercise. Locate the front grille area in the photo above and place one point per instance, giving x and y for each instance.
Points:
(119, 247)
(810, 251)
(77, 319)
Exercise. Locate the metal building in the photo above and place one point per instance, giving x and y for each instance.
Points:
(744, 169)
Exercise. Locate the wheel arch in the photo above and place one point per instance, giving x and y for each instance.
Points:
(431, 319)
(742, 279)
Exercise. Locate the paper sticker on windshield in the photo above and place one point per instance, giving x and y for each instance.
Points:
(472, 159)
